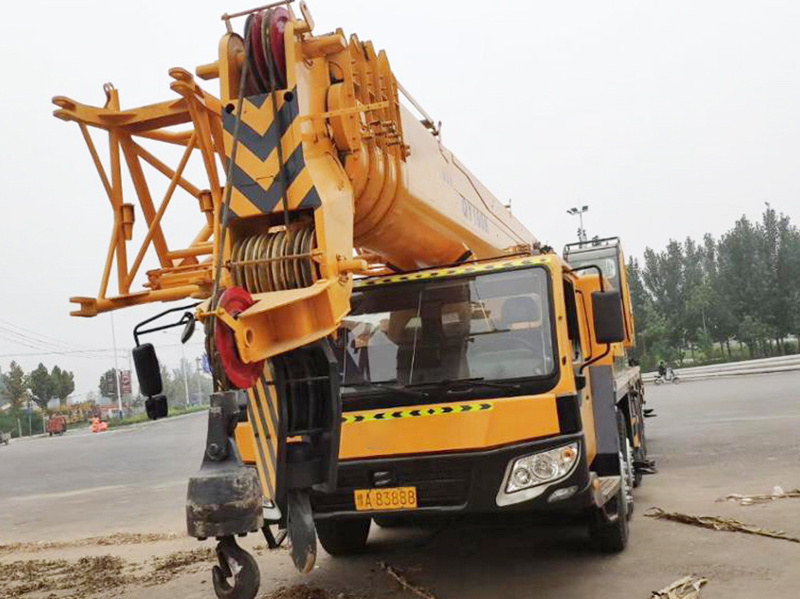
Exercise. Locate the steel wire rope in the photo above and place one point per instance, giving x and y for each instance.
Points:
(225, 213)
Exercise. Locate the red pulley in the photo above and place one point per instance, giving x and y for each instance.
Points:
(257, 49)
(278, 18)
(234, 301)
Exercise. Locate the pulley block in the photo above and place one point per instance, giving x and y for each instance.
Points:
(242, 375)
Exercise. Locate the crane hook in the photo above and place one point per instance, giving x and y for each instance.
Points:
(236, 563)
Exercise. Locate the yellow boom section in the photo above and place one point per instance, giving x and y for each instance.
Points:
(330, 176)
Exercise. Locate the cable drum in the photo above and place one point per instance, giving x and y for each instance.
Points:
(274, 261)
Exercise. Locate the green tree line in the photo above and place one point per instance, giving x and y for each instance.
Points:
(715, 300)
(40, 385)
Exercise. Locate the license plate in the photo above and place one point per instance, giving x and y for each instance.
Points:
(395, 498)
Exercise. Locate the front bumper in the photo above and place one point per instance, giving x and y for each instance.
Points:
(466, 482)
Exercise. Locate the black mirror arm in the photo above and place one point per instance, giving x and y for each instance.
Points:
(602, 288)
(138, 330)
(593, 360)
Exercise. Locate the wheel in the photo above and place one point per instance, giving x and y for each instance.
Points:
(343, 537)
(657, 380)
(676, 380)
(608, 526)
(611, 536)
(634, 478)
(236, 563)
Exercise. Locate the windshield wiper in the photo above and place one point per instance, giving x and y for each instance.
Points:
(478, 381)
(385, 386)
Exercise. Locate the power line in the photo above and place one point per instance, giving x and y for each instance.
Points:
(107, 352)
(39, 337)
(31, 342)
(83, 353)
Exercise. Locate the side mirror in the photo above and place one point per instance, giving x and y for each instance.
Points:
(156, 407)
(609, 325)
(147, 369)
(188, 330)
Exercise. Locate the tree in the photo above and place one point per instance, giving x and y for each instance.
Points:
(745, 286)
(175, 389)
(108, 384)
(15, 386)
(41, 386)
(63, 384)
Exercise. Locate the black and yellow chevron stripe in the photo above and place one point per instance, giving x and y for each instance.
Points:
(256, 186)
(417, 412)
(453, 271)
(263, 413)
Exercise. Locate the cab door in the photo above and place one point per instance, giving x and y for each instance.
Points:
(578, 332)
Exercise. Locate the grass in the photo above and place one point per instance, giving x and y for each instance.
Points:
(138, 418)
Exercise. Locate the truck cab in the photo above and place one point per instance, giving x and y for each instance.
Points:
(478, 388)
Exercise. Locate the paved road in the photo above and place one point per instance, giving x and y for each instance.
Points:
(131, 479)
(711, 438)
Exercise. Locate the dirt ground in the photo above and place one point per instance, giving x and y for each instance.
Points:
(711, 438)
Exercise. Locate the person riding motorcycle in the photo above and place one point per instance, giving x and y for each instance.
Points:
(662, 369)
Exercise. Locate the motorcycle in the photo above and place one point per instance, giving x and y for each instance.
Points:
(670, 377)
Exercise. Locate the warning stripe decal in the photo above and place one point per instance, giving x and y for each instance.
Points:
(257, 186)
(450, 272)
(258, 433)
(258, 131)
(355, 418)
(263, 412)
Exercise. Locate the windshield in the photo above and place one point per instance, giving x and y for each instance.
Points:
(489, 327)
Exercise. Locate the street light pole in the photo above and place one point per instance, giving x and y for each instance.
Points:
(582, 237)
(116, 365)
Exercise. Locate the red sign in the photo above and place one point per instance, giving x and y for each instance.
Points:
(125, 382)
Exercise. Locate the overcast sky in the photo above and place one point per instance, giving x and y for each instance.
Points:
(667, 119)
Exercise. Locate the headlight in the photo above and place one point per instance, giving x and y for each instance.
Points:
(542, 468)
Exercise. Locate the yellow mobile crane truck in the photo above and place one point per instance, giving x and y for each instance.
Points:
(386, 339)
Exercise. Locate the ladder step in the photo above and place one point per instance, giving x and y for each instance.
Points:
(604, 488)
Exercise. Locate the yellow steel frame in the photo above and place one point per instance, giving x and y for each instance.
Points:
(184, 272)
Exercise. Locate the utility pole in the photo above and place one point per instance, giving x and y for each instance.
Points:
(582, 238)
(185, 377)
(116, 368)
(198, 371)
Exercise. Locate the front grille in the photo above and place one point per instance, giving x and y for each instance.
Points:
(439, 483)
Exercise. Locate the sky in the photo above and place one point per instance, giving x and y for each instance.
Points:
(668, 119)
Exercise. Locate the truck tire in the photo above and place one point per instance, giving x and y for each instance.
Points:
(611, 536)
(340, 537)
